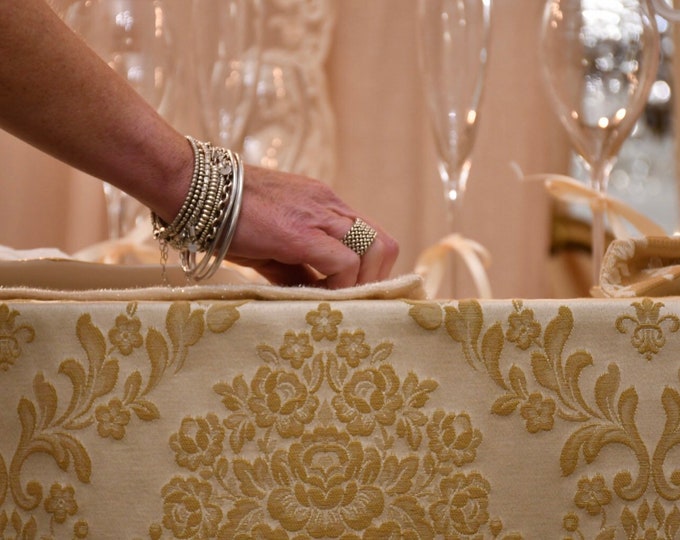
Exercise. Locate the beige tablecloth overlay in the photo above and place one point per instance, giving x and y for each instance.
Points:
(339, 418)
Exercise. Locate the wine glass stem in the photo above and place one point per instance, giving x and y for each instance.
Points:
(599, 179)
(453, 197)
(598, 241)
(114, 211)
(453, 218)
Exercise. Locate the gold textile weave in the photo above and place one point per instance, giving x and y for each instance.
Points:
(355, 419)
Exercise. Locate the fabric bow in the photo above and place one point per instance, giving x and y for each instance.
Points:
(432, 262)
(570, 190)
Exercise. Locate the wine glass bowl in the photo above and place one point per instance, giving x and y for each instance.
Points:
(453, 38)
(135, 39)
(279, 124)
(290, 127)
(227, 43)
(599, 60)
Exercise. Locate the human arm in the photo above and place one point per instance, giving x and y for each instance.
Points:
(59, 96)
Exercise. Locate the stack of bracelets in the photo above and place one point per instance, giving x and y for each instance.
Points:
(206, 222)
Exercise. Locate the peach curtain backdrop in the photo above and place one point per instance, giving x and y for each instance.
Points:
(386, 167)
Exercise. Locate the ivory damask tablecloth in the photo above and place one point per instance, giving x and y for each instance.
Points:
(323, 418)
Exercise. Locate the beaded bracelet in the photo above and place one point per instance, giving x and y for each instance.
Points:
(224, 232)
(206, 221)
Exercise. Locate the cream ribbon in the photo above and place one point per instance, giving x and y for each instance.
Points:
(570, 190)
(431, 263)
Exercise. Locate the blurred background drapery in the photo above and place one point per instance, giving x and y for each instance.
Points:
(384, 162)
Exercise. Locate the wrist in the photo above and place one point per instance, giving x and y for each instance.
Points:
(175, 182)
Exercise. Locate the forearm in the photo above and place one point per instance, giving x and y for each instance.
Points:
(58, 95)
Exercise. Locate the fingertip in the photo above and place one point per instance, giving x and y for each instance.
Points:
(390, 255)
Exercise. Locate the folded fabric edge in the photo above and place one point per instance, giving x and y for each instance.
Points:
(408, 287)
(636, 267)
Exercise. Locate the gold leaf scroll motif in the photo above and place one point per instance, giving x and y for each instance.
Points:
(554, 392)
(48, 428)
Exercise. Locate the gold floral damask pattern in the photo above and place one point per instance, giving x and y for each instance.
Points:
(99, 398)
(546, 383)
(648, 328)
(12, 336)
(315, 431)
(327, 440)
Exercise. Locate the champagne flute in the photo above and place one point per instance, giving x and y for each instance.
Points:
(290, 128)
(279, 124)
(599, 61)
(133, 37)
(226, 51)
(453, 39)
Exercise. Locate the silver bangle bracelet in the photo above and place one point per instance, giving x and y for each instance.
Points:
(206, 222)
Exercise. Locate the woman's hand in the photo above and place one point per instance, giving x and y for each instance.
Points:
(291, 229)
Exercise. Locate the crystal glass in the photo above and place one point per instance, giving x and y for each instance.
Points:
(134, 38)
(599, 60)
(291, 126)
(279, 124)
(227, 43)
(666, 10)
(453, 39)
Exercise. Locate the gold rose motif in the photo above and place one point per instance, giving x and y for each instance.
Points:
(281, 400)
(592, 494)
(452, 437)
(463, 507)
(371, 397)
(352, 347)
(325, 485)
(189, 508)
(198, 442)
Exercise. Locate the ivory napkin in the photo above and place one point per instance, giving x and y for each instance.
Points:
(647, 266)
(47, 274)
